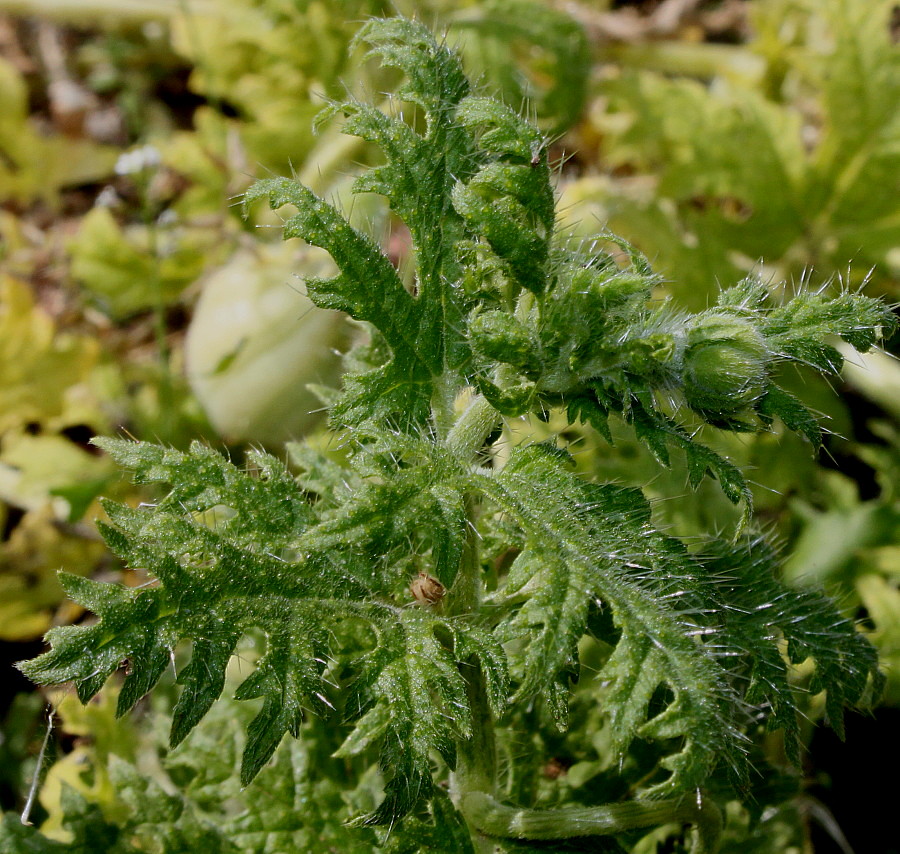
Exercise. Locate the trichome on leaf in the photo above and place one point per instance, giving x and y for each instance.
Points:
(507, 319)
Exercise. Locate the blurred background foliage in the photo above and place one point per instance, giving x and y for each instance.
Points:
(722, 137)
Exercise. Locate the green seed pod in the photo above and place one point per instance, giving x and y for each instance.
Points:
(724, 368)
(501, 338)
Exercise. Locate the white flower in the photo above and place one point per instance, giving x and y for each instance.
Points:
(138, 160)
(107, 198)
(167, 217)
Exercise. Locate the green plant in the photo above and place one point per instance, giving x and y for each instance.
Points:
(464, 609)
(272, 62)
(778, 155)
(771, 155)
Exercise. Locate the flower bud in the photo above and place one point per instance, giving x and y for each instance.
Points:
(724, 369)
(501, 338)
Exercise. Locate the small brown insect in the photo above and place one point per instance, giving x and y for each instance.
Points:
(427, 590)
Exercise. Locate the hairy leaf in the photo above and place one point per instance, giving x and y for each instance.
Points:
(389, 599)
(589, 544)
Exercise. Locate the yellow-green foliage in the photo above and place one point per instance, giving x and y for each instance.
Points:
(45, 479)
(272, 62)
(99, 736)
(33, 166)
(137, 268)
(45, 374)
(793, 166)
(276, 62)
(546, 591)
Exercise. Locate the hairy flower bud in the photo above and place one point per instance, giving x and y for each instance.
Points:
(724, 369)
(501, 337)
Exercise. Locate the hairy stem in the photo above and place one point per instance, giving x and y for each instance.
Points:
(468, 434)
(476, 767)
(494, 819)
(476, 758)
(443, 411)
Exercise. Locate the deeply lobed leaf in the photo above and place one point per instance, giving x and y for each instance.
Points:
(320, 564)
(298, 579)
(587, 545)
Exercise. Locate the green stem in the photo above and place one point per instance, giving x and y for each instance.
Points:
(166, 418)
(476, 757)
(467, 436)
(476, 760)
(494, 819)
(474, 781)
(443, 401)
(465, 439)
